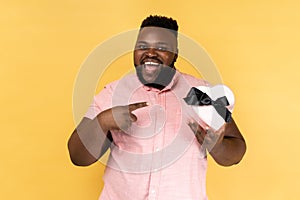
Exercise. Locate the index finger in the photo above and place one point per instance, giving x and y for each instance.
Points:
(138, 105)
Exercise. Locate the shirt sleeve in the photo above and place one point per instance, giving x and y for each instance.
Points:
(101, 102)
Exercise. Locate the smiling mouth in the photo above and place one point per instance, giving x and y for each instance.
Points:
(151, 67)
(151, 64)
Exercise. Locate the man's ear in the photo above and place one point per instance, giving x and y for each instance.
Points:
(176, 56)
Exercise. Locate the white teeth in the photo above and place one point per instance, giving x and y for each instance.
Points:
(151, 63)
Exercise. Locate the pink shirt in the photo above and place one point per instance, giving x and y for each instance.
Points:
(158, 157)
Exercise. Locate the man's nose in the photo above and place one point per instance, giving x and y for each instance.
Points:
(151, 52)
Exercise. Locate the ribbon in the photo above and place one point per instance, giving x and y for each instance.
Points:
(198, 98)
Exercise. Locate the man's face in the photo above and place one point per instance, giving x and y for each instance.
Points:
(155, 53)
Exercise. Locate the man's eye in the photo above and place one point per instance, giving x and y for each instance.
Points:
(162, 48)
(142, 46)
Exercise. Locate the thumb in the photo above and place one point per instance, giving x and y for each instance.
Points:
(133, 118)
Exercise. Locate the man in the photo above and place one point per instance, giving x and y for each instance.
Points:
(158, 147)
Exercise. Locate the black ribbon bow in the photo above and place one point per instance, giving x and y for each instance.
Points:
(198, 98)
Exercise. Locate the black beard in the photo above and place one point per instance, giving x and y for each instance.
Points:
(163, 79)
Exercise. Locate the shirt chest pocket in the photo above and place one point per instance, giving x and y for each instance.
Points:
(151, 120)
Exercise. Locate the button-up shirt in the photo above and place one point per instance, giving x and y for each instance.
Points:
(158, 157)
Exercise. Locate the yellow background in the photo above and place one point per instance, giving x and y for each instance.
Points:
(43, 43)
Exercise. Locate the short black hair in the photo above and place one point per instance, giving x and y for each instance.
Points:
(161, 21)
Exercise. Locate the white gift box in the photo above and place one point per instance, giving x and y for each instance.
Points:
(208, 113)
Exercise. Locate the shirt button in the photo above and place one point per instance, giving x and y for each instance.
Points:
(157, 149)
(153, 192)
